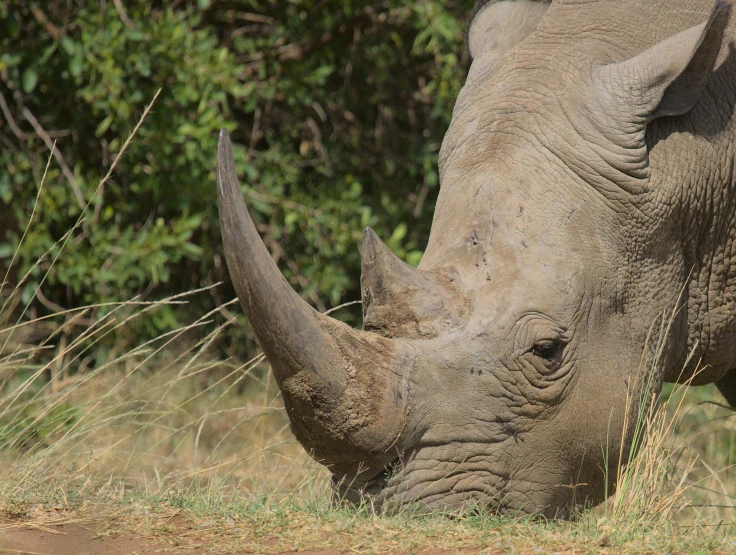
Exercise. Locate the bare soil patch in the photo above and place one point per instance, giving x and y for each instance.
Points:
(82, 538)
(90, 538)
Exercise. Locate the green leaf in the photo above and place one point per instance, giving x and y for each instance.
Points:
(68, 45)
(136, 36)
(75, 64)
(6, 250)
(28, 292)
(104, 125)
(29, 80)
(398, 234)
(413, 258)
(47, 54)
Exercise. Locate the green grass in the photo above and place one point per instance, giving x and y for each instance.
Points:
(171, 438)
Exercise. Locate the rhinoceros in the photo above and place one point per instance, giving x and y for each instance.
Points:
(587, 192)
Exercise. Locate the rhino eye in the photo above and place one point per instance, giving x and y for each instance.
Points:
(549, 350)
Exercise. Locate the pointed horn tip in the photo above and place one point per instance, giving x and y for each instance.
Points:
(224, 148)
(376, 252)
(369, 234)
(372, 246)
(228, 187)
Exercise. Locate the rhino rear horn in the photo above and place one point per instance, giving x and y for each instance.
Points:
(402, 301)
(384, 275)
(345, 390)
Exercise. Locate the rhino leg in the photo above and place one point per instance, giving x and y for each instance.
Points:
(727, 386)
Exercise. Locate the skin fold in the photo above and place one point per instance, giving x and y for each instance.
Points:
(587, 205)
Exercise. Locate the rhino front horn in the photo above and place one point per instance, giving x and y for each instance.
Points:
(345, 390)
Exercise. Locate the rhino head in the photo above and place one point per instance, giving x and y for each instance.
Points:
(496, 373)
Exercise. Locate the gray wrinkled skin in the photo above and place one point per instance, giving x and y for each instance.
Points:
(587, 189)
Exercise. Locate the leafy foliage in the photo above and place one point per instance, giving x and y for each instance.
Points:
(337, 109)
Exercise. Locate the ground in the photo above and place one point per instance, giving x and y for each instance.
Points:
(130, 530)
(79, 538)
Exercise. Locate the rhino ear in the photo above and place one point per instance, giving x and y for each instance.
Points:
(666, 79)
(498, 25)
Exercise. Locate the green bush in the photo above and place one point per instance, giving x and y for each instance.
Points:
(337, 110)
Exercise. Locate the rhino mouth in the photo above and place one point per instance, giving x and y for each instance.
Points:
(366, 485)
(427, 480)
(422, 481)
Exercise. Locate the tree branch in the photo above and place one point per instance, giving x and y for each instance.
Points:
(41, 17)
(17, 131)
(57, 154)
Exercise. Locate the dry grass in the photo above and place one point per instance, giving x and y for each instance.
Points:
(169, 428)
(151, 435)
(656, 480)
